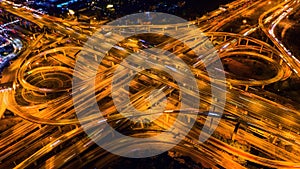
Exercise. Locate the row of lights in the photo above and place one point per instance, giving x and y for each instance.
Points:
(5, 90)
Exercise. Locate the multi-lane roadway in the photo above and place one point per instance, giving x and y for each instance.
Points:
(44, 97)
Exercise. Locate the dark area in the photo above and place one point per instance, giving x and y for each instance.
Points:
(189, 9)
(163, 161)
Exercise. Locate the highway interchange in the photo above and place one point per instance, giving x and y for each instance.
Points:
(50, 135)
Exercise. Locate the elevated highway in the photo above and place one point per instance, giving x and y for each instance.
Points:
(256, 115)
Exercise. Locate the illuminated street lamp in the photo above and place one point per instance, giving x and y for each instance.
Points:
(109, 6)
(71, 12)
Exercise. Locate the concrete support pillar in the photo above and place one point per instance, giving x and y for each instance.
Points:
(43, 76)
(230, 86)
(95, 57)
(261, 48)
(280, 62)
(247, 87)
(167, 118)
(274, 140)
(272, 55)
(64, 52)
(59, 128)
(188, 119)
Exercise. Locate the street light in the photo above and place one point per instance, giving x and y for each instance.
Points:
(109, 6)
(71, 12)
